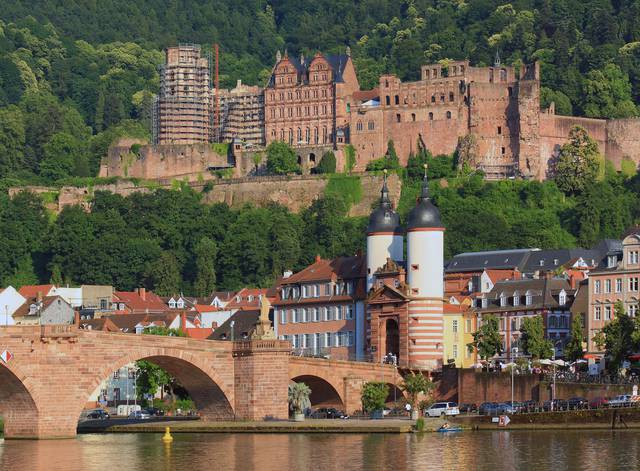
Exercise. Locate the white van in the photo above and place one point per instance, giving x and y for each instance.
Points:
(443, 408)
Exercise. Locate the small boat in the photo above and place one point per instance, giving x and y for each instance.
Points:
(450, 429)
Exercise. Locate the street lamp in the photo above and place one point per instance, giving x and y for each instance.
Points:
(553, 361)
(514, 354)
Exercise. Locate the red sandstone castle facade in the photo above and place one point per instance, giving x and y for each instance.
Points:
(491, 115)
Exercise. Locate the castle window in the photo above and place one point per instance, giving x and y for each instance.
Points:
(371, 125)
(502, 150)
(442, 98)
(430, 116)
(413, 116)
(290, 136)
(451, 96)
(299, 134)
(324, 135)
(398, 117)
(503, 75)
(426, 74)
(386, 84)
(315, 135)
(462, 69)
(448, 114)
(397, 100)
(499, 130)
(359, 126)
(433, 98)
(289, 79)
(388, 100)
(298, 94)
(454, 70)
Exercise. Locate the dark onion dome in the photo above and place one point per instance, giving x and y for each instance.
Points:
(384, 219)
(424, 215)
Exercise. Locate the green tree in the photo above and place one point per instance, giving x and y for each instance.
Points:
(23, 274)
(573, 350)
(164, 275)
(561, 101)
(374, 396)
(327, 163)
(607, 94)
(617, 337)
(532, 338)
(281, 159)
(12, 140)
(487, 340)
(578, 164)
(205, 251)
(64, 155)
(416, 384)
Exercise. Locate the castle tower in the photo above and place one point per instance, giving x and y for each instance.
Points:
(425, 276)
(384, 235)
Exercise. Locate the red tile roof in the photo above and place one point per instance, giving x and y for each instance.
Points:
(330, 270)
(197, 333)
(499, 275)
(31, 291)
(136, 304)
(244, 295)
(366, 95)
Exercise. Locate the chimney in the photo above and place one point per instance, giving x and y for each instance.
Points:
(77, 318)
(39, 296)
(142, 292)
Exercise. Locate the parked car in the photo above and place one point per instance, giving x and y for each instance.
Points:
(154, 411)
(443, 408)
(327, 413)
(486, 408)
(620, 401)
(98, 414)
(558, 404)
(139, 415)
(598, 402)
(575, 403)
(467, 407)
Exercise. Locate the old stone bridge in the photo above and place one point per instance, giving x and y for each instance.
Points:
(47, 374)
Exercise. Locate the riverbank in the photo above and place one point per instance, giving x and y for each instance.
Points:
(308, 426)
(619, 418)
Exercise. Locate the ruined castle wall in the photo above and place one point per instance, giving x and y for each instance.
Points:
(554, 131)
(163, 161)
(623, 140)
(294, 192)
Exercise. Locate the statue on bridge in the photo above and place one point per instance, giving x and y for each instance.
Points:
(264, 328)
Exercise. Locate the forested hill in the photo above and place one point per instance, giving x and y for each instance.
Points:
(572, 38)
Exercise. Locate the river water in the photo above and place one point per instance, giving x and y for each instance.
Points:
(495, 451)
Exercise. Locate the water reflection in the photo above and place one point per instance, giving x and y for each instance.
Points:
(495, 451)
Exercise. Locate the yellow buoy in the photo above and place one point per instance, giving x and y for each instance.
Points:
(167, 438)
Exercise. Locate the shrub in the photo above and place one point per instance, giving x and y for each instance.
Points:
(420, 424)
(374, 395)
(281, 159)
(349, 158)
(347, 187)
(327, 163)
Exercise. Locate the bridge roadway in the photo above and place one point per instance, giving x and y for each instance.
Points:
(53, 370)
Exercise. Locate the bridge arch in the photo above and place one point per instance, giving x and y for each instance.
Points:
(18, 403)
(212, 395)
(323, 393)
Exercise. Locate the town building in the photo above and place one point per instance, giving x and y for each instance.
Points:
(242, 115)
(307, 103)
(405, 301)
(139, 301)
(512, 301)
(617, 278)
(320, 309)
(183, 108)
(460, 322)
(10, 301)
(44, 310)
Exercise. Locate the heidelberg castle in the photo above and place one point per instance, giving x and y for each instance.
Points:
(492, 114)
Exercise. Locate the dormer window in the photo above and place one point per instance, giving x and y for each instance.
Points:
(529, 298)
(172, 304)
(503, 299)
(250, 298)
(612, 259)
(562, 298)
(33, 308)
(633, 257)
(484, 302)
(541, 263)
(180, 304)
(516, 299)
